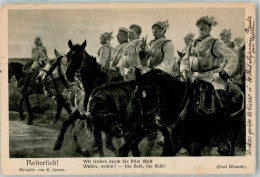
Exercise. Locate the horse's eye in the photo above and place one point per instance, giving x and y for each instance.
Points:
(144, 93)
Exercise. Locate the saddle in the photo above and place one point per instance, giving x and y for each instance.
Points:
(204, 99)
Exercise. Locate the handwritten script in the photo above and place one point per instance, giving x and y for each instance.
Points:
(250, 61)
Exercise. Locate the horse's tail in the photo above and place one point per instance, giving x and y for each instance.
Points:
(89, 121)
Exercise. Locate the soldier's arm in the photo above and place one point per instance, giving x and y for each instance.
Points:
(220, 49)
(104, 54)
(168, 59)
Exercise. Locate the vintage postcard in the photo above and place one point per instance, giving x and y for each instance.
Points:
(125, 88)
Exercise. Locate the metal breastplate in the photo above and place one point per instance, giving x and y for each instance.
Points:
(156, 54)
(203, 58)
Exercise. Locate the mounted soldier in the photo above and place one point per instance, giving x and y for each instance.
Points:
(203, 60)
(160, 51)
(188, 39)
(40, 58)
(131, 52)
(122, 38)
(226, 37)
(106, 50)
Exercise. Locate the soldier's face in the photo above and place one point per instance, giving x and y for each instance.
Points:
(204, 28)
(225, 38)
(133, 34)
(157, 31)
(121, 36)
(102, 40)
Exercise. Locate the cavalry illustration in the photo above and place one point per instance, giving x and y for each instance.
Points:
(139, 89)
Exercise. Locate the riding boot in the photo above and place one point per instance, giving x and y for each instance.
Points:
(226, 144)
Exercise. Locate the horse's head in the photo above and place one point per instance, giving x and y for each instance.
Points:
(15, 69)
(75, 57)
(148, 96)
(53, 73)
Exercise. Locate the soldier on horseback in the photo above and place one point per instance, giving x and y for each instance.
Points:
(122, 37)
(40, 58)
(105, 51)
(204, 58)
(131, 52)
(226, 37)
(160, 51)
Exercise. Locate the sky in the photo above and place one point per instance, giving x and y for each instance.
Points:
(57, 26)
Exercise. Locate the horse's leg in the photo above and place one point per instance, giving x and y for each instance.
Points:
(168, 146)
(72, 118)
(98, 141)
(76, 131)
(109, 143)
(135, 150)
(195, 148)
(21, 109)
(59, 108)
(151, 141)
(132, 142)
(29, 110)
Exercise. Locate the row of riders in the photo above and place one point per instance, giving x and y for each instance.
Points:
(139, 88)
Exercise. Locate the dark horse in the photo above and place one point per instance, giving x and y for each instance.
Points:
(16, 70)
(107, 111)
(91, 76)
(52, 76)
(170, 105)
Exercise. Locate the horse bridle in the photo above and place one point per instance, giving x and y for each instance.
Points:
(158, 109)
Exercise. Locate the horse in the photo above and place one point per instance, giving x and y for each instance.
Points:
(153, 112)
(54, 82)
(107, 111)
(91, 76)
(170, 105)
(16, 70)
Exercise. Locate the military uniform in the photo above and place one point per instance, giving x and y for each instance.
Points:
(117, 61)
(130, 59)
(39, 55)
(205, 57)
(160, 55)
(105, 55)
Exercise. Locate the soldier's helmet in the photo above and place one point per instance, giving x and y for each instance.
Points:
(37, 40)
(108, 36)
(226, 32)
(210, 20)
(163, 24)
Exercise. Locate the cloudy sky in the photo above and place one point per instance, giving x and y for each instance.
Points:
(56, 27)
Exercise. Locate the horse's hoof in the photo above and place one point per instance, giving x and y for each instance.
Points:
(57, 146)
(86, 153)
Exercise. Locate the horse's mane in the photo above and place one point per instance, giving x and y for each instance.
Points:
(160, 77)
(113, 86)
(16, 64)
